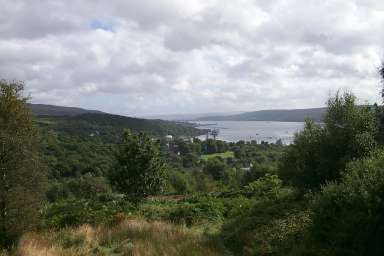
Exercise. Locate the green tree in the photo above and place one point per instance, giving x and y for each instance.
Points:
(216, 167)
(139, 170)
(256, 172)
(320, 152)
(348, 216)
(302, 163)
(22, 175)
(179, 182)
(381, 73)
(210, 146)
(380, 109)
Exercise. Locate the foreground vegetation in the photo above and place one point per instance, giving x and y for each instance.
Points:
(149, 195)
(129, 237)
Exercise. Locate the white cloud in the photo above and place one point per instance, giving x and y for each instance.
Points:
(168, 56)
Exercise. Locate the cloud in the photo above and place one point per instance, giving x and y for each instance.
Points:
(169, 56)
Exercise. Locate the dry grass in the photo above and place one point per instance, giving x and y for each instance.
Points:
(136, 237)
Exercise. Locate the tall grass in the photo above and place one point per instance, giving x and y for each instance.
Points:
(129, 237)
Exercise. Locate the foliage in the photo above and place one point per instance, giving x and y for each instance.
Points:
(72, 212)
(139, 170)
(179, 182)
(193, 212)
(348, 217)
(257, 171)
(198, 210)
(22, 174)
(132, 236)
(83, 187)
(215, 167)
(269, 186)
(320, 153)
(379, 109)
(70, 156)
(107, 128)
(224, 155)
(302, 164)
(269, 226)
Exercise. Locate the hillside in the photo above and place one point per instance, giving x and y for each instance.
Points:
(290, 115)
(51, 110)
(107, 128)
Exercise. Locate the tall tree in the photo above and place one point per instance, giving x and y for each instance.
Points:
(380, 109)
(22, 176)
(139, 170)
(320, 153)
(381, 73)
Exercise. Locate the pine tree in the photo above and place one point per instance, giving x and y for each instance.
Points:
(22, 176)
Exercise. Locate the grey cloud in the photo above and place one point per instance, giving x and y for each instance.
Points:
(171, 56)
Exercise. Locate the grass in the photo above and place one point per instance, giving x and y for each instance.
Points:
(130, 237)
(224, 155)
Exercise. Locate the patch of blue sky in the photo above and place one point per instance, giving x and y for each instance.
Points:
(98, 24)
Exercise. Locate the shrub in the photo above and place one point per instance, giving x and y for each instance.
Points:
(196, 212)
(269, 227)
(179, 182)
(348, 217)
(215, 167)
(269, 186)
(320, 153)
(272, 221)
(83, 187)
(72, 212)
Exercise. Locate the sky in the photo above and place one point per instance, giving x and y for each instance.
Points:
(152, 57)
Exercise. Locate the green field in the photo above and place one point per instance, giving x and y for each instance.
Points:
(227, 154)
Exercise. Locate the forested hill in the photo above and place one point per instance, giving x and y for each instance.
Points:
(290, 115)
(106, 128)
(51, 110)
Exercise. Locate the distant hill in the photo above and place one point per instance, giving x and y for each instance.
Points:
(278, 115)
(189, 117)
(108, 128)
(92, 124)
(51, 110)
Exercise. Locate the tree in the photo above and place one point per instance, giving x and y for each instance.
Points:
(381, 73)
(215, 167)
(320, 152)
(179, 182)
(22, 174)
(348, 216)
(256, 172)
(302, 164)
(380, 109)
(139, 170)
(210, 146)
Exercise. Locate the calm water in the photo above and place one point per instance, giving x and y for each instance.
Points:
(253, 130)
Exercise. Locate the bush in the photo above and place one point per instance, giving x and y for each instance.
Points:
(348, 217)
(83, 187)
(215, 167)
(235, 207)
(73, 212)
(268, 227)
(320, 152)
(179, 182)
(197, 212)
(272, 221)
(269, 186)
